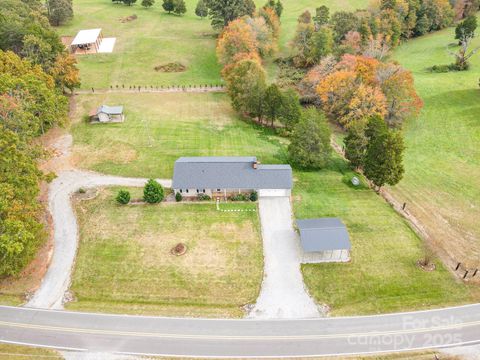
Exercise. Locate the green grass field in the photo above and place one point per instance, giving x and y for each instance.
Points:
(124, 262)
(159, 128)
(385, 249)
(442, 159)
(153, 39)
(383, 275)
(156, 38)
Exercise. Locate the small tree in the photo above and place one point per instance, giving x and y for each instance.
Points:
(466, 28)
(322, 16)
(355, 145)
(273, 103)
(168, 5)
(290, 110)
(180, 7)
(201, 10)
(178, 197)
(123, 197)
(129, 2)
(383, 158)
(465, 33)
(253, 196)
(148, 3)
(153, 192)
(310, 143)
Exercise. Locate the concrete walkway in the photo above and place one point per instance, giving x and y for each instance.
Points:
(57, 280)
(283, 293)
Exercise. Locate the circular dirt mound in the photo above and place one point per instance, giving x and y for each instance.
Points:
(179, 249)
(171, 67)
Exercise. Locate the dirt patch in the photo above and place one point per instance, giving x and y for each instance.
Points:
(179, 249)
(128, 18)
(66, 40)
(171, 67)
(85, 194)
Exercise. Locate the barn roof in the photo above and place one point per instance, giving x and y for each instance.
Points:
(323, 234)
(226, 172)
(86, 37)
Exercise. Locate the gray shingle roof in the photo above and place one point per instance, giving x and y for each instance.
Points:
(111, 110)
(323, 234)
(229, 173)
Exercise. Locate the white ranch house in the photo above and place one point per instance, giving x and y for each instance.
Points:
(223, 176)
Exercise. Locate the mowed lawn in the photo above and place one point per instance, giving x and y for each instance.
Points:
(157, 38)
(382, 275)
(159, 128)
(153, 39)
(124, 262)
(442, 161)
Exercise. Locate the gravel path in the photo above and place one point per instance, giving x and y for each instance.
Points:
(57, 280)
(283, 293)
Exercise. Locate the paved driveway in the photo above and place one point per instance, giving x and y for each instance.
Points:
(283, 293)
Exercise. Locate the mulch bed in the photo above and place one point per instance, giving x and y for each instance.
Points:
(171, 67)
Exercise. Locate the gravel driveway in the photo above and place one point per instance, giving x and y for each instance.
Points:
(57, 280)
(283, 293)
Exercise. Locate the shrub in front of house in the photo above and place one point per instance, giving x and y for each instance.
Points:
(153, 192)
(253, 196)
(203, 197)
(178, 197)
(239, 197)
(123, 197)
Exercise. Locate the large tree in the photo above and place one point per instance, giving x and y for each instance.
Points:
(221, 12)
(310, 142)
(59, 11)
(238, 38)
(245, 84)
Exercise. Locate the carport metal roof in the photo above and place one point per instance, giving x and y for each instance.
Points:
(86, 37)
(323, 234)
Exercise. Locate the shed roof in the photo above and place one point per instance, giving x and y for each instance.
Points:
(227, 172)
(110, 110)
(323, 234)
(86, 37)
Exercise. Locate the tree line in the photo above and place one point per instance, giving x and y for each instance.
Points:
(35, 70)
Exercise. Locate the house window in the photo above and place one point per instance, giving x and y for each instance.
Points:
(219, 190)
(180, 191)
(204, 191)
(198, 191)
(186, 191)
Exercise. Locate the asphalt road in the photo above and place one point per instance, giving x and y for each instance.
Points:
(240, 338)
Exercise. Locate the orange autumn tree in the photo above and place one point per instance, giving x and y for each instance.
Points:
(361, 87)
(238, 37)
